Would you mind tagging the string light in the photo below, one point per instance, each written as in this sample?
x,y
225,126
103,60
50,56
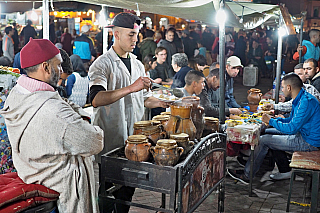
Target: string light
x,y
138,11
241,20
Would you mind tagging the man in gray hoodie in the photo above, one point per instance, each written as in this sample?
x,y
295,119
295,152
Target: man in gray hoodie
x,y
169,45
51,144
7,44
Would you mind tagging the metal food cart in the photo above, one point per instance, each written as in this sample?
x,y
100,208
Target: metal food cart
x,y
191,181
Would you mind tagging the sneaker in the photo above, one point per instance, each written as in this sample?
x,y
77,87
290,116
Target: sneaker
x,y
239,175
245,153
281,176
242,162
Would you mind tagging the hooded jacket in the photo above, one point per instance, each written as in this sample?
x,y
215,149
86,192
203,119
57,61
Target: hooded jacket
x,y
147,46
209,109
315,81
52,145
8,47
304,118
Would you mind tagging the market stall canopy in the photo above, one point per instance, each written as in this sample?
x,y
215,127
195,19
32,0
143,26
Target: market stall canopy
x,y
200,10
18,6
22,6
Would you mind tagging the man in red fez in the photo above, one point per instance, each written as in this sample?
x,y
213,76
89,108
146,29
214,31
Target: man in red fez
x,y
51,144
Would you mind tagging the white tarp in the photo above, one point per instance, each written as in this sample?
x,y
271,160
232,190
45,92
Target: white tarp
x,y
200,10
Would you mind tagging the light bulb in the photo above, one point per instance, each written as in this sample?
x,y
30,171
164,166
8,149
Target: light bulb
x,y
282,31
34,16
221,16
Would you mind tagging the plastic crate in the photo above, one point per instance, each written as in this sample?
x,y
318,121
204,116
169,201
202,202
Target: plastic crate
x,y
244,134
250,76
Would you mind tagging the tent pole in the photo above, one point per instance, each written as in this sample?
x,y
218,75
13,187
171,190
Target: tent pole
x,y
279,54
301,37
222,67
105,31
45,14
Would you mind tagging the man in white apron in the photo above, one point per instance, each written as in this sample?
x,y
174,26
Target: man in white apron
x,y
119,90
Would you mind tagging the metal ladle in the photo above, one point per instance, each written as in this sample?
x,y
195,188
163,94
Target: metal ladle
x,y
176,92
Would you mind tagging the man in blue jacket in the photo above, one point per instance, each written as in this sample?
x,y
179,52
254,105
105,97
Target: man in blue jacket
x,y
84,48
302,127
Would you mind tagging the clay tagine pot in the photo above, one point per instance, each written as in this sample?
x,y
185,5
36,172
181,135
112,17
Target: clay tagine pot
x,y
163,119
182,140
180,120
166,152
139,126
254,96
152,129
165,113
137,148
197,114
211,125
154,133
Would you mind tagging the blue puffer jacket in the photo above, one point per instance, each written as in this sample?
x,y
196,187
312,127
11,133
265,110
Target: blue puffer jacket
x,y
312,51
84,48
304,118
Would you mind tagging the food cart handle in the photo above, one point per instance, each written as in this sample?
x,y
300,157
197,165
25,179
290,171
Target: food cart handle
x,y
135,173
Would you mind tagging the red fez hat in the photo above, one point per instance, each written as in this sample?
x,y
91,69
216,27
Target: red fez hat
x,y
37,51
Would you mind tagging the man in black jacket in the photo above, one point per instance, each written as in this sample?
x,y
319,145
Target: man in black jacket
x,y
255,56
311,68
28,31
189,44
162,70
15,38
213,83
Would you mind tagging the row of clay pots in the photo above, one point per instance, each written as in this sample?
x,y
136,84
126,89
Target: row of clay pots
x,y
185,117
166,152
178,121
152,129
211,124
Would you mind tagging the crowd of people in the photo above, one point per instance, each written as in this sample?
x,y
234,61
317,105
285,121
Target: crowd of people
x,y
66,154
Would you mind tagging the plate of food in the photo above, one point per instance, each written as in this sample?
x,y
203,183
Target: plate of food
x,y
166,97
253,121
233,123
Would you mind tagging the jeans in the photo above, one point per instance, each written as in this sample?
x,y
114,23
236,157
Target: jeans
x,y
273,131
280,157
289,143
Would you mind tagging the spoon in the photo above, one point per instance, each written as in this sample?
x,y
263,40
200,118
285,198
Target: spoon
x,y
176,92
